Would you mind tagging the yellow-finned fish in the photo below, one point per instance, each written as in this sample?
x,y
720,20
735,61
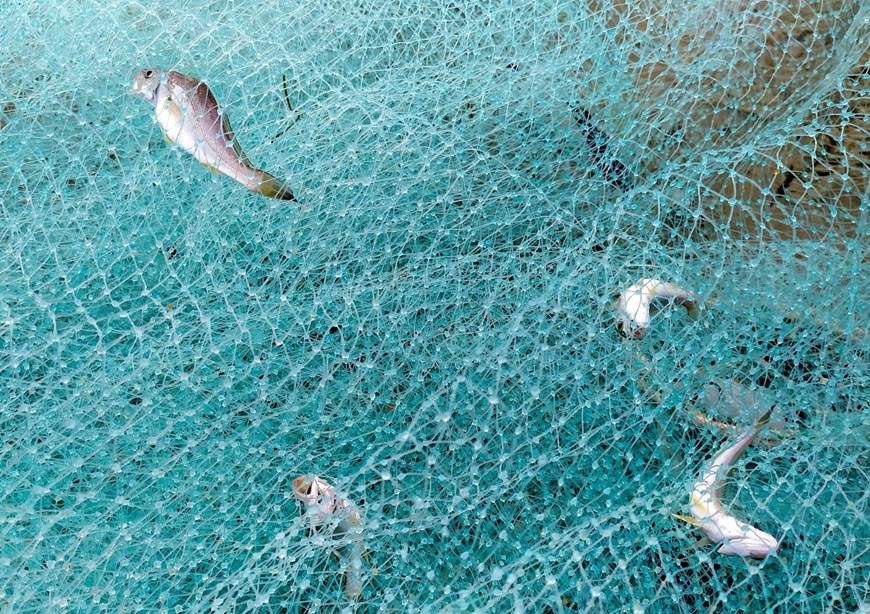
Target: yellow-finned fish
x,y
633,305
325,507
191,118
737,537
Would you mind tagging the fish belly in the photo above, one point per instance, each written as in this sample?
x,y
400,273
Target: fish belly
x,y
182,132
216,161
170,118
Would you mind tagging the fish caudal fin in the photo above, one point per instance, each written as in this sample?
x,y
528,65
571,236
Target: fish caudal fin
x,y
690,302
353,580
272,187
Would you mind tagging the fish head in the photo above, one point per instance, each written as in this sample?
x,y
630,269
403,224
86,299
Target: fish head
x,y
146,82
323,504
630,329
752,543
310,489
632,309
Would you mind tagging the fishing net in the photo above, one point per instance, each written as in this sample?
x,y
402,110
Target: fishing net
x,y
430,328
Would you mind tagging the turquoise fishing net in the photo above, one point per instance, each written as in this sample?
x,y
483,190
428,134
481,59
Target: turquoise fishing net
x,y
430,328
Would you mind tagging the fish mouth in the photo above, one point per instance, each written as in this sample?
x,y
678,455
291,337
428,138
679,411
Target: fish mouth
x,y
630,331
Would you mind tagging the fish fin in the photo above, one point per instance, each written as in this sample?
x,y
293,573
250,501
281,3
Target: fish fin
x,y
762,421
176,116
701,543
272,187
230,136
286,95
174,110
691,520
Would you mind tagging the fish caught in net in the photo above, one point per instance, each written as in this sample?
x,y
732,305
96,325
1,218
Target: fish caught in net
x,y
429,330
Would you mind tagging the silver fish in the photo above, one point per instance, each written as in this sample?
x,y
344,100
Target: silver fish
x,y
325,507
737,537
191,118
633,305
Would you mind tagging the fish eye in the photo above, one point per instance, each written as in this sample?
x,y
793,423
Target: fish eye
x,y
149,73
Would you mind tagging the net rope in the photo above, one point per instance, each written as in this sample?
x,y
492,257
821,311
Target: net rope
x,y
430,328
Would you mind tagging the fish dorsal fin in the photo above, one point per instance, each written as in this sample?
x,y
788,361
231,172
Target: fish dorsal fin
x,y
763,420
688,519
231,137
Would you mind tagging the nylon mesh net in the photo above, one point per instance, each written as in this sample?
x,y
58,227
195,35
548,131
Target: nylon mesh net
x,y
430,329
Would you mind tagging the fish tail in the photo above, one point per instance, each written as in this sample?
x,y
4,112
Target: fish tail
x,y
353,573
690,302
271,187
693,307
659,289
